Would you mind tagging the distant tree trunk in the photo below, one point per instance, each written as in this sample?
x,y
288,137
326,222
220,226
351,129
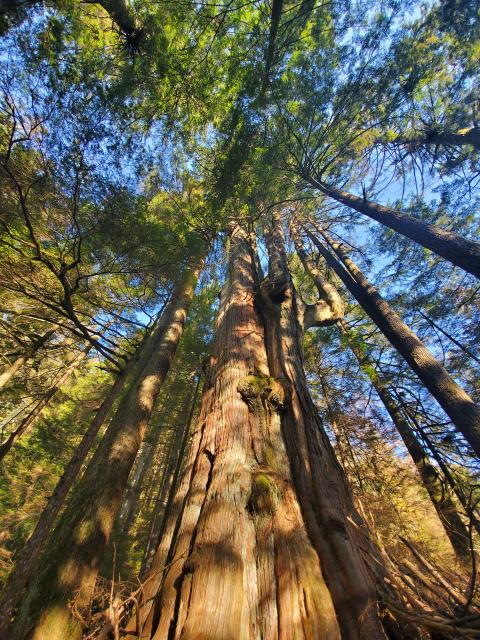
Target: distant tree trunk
x,y
456,403
462,137
69,565
470,507
457,250
25,561
437,489
168,484
29,419
10,371
256,541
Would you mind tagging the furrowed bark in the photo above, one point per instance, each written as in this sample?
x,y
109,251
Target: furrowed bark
x,y
437,490
84,528
456,403
457,250
235,560
335,528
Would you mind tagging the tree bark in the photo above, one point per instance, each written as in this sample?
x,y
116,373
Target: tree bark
x,y
168,485
457,250
456,403
334,526
246,551
70,563
25,562
436,488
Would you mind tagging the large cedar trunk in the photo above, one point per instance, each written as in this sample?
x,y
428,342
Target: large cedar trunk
x,y
256,542
71,561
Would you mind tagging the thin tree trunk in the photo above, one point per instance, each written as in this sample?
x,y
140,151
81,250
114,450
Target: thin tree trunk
x,y
433,324
456,403
246,551
447,244
461,137
436,488
71,560
340,436
25,562
168,484
10,371
457,490
29,419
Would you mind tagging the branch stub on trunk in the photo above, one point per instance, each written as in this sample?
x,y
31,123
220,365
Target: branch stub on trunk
x,y
258,390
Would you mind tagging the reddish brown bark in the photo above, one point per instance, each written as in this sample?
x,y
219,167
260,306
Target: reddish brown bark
x,y
256,542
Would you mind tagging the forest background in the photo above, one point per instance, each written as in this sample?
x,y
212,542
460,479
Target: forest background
x,y
137,141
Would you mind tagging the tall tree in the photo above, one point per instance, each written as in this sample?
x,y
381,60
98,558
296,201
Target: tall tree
x,y
253,458
456,403
85,531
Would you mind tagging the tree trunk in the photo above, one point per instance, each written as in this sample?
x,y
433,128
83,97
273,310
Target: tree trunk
x,y
456,403
437,490
168,483
25,562
70,563
457,250
122,15
460,138
10,371
334,526
467,503
242,551
29,419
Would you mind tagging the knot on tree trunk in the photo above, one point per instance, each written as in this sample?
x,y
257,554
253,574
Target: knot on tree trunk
x,y
264,391
263,498
275,288
322,314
